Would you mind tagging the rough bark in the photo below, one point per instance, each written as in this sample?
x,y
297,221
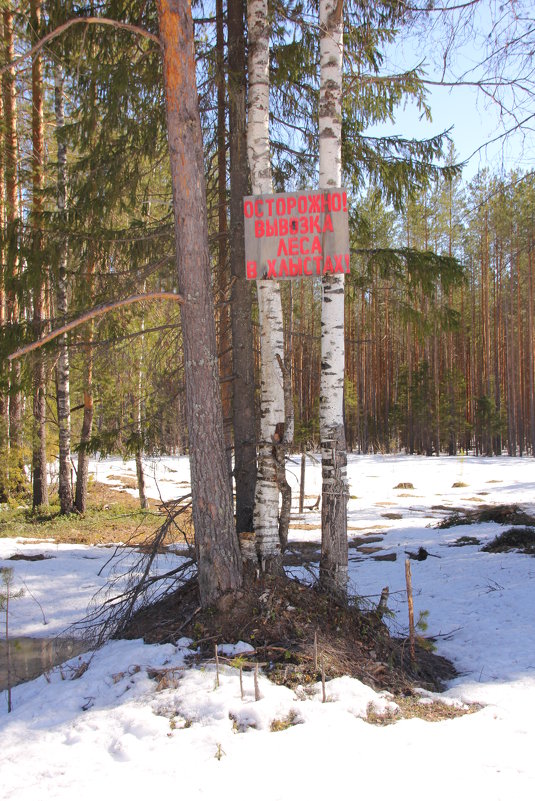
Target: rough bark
x,y
82,471
243,410
139,429
334,554
531,354
63,366
223,326
40,486
216,543
12,250
4,406
272,415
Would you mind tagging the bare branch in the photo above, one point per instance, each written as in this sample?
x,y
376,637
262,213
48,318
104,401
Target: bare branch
x,y
126,26
95,312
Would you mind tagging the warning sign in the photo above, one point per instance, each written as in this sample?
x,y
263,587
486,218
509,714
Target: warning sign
x,y
296,234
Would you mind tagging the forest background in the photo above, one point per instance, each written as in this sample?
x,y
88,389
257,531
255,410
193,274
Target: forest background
x,y
439,304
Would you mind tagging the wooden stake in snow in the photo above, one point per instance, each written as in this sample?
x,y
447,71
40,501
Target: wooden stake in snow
x,y
302,483
216,665
323,693
408,580
257,695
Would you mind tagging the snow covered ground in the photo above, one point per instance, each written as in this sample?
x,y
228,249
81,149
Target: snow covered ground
x,y
119,731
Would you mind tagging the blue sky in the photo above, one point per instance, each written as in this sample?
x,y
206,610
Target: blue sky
x,y
474,117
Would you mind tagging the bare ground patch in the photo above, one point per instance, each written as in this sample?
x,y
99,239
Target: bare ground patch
x,y
293,628
503,514
521,540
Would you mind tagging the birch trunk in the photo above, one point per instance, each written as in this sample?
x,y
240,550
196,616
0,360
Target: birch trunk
x,y
216,543
334,554
272,413
63,366
243,399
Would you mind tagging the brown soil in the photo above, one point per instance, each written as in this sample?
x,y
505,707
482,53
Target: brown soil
x,y
281,619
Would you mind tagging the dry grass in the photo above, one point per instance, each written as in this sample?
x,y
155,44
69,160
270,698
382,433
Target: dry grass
x,y
411,706
112,516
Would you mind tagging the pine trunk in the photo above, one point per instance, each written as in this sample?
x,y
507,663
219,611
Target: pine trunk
x,y
16,479
216,543
334,554
243,410
4,406
139,417
40,486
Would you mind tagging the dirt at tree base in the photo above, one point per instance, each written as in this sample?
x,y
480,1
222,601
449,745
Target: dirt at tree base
x,y
282,618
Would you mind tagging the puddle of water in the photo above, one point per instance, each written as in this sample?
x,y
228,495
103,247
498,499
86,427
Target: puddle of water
x,y
32,656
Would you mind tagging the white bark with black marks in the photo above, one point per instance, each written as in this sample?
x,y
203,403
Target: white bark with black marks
x,y
272,414
63,367
334,555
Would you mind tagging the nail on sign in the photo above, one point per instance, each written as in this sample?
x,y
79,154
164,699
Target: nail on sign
x,y
296,234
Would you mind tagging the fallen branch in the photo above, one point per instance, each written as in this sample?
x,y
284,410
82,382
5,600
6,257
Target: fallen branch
x,y
92,313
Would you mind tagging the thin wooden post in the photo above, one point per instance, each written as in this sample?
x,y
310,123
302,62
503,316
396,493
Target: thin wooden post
x,y
408,580
302,482
257,695
216,665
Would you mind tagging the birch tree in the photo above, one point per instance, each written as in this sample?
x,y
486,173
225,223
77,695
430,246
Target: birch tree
x,y
334,555
63,365
272,411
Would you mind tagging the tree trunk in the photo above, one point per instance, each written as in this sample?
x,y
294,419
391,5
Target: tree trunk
x,y
216,543
82,473
139,429
4,406
243,410
272,414
16,478
40,486
63,367
223,325
334,554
